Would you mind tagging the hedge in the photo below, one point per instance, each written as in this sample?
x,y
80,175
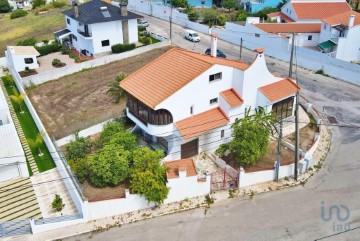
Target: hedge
x,y
18,13
119,48
49,48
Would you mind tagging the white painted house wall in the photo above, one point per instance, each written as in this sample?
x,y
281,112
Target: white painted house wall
x,y
19,61
348,48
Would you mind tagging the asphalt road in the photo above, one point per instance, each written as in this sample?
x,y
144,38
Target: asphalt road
x,y
292,214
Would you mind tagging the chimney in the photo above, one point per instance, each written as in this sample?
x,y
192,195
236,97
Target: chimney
x,y
351,20
182,171
123,9
76,8
213,45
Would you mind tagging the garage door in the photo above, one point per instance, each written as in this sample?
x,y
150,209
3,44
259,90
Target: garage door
x,y
190,149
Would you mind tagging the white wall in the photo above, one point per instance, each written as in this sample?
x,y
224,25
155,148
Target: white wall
x,y
111,31
133,31
348,48
19,61
302,39
3,62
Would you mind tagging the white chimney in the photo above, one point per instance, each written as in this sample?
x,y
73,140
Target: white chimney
x,y
213,45
351,20
182,171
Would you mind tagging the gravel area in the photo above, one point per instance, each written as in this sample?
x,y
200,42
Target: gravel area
x,y
45,62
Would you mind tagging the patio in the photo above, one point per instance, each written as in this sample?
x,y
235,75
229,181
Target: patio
x,y
45,62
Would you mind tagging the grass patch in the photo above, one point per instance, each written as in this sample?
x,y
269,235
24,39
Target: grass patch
x,y
30,130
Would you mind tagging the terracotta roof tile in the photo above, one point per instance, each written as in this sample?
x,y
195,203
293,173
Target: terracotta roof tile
x,y
200,123
232,97
289,27
183,164
169,73
319,10
279,90
343,18
282,16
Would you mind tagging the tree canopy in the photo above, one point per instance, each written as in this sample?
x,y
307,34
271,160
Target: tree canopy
x,y
4,6
178,3
229,4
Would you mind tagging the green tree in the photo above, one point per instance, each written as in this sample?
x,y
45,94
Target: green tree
x,y
221,19
80,167
241,15
78,148
110,129
148,176
18,99
124,139
115,91
38,3
37,142
4,6
282,3
264,12
57,204
8,80
178,3
109,166
229,4
209,16
250,139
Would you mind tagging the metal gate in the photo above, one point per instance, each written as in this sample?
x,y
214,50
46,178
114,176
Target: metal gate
x,y
16,227
224,179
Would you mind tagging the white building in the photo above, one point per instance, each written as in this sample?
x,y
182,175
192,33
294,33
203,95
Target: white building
x,y
12,156
23,56
185,102
340,36
93,27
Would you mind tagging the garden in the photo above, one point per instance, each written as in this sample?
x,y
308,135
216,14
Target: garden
x,y
112,162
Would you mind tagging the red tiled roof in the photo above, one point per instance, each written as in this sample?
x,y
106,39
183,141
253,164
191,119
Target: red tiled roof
x,y
200,123
289,27
232,97
183,164
319,10
169,73
343,18
281,15
279,90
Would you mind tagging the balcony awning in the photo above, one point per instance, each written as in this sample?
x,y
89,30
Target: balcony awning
x,y
326,45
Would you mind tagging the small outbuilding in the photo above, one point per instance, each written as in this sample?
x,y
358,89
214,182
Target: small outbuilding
x,y
23,56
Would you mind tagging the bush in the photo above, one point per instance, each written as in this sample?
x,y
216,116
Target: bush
x,y
146,40
58,4
80,167
241,15
65,50
27,42
141,28
57,63
49,48
221,20
4,6
209,16
45,41
193,15
119,48
18,13
110,130
38,3
263,13
78,148
8,80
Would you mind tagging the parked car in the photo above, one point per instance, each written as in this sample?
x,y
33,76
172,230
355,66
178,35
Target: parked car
x,y
191,35
143,23
219,53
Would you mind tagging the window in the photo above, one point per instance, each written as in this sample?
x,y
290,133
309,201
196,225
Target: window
x,y
105,43
222,133
310,37
324,26
290,12
213,101
68,21
257,35
74,37
202,2
191,110
283,109
29,60
215,76
287,10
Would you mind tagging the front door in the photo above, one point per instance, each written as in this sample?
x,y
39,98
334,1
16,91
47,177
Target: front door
x,y
190,149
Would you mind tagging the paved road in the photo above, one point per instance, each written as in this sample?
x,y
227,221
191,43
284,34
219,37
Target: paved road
x,y
292,214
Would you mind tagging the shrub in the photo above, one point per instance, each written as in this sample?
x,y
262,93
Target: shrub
x,y
241,15
193,15
56,62
78,148
124,139
27,42
4,6
45,41
65,50
58,4
8,80
264,12
18,13
209,16
80,167
49,48
146,40
221,20
141,28
110,130
57,203
119,48
38,3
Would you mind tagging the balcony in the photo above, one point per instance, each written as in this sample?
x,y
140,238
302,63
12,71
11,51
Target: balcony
x,y
84,34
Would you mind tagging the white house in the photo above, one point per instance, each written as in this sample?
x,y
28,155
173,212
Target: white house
x,y
23,56
340,36
185,102
93,27
184,181
12,156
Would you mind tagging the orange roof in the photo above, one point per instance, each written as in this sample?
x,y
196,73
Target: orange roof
x,y
200,123
289,27
281,15
343,18
173,168
319,10
231,97
169,73
279,90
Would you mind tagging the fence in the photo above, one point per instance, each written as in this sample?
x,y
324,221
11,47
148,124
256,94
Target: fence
x,y
16,227
67,70
275,46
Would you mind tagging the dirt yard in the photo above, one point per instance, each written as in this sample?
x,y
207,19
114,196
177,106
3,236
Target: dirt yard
x,y
306,137
96,194
78,101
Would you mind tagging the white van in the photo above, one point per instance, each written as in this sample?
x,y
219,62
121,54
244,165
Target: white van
x,y
191,35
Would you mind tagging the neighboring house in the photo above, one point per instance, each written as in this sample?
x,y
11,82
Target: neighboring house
x,y
23,57
12,156
184,181
93,27
185,102
253,6
340,36
307,33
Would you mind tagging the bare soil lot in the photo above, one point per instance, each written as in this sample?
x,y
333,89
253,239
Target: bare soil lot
x,y
94,194
306,137
78,101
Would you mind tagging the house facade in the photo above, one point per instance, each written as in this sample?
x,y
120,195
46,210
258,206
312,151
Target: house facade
x,y
23,57
254,6
184,102
93,27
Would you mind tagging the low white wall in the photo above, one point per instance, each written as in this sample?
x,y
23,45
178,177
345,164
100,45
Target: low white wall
x,y
67,70
38,228
3,62
251,178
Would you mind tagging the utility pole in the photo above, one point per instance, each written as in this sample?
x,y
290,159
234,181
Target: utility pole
x,y
241,41
170,18
279,151
296,111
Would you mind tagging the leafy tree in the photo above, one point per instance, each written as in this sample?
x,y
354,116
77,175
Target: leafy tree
x,y
80,167
8,80
229,4
282,3
111,129
178,3
264,12
250,139
4,6
193,15
148,176
18,99
78,148
221,20
124,139
57,204
37,142
209,16
115,91
38,3
27,42
109,166
241,15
